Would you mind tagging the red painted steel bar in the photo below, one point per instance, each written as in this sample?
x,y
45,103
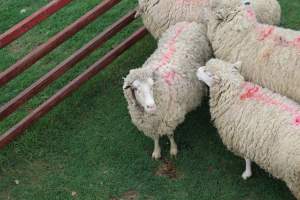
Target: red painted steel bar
x,y
55,41
28,23
60,69
44,108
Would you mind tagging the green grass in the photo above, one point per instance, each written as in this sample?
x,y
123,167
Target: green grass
x,y
88,145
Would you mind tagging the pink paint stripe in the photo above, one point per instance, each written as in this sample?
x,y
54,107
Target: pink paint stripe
x,y
254,92
269,32
167,56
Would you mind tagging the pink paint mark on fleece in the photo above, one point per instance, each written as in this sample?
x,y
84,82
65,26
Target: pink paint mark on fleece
x,y
250,13
169,77
268,32
253,92
265,32
171,48
166,57
297,121
249,93
296,42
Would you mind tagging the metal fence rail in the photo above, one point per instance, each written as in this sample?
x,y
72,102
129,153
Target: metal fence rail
x,y
28,23
60,69
55,41
63,67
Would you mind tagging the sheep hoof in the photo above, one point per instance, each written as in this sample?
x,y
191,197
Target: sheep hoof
x,y
173,152
246,175
156,155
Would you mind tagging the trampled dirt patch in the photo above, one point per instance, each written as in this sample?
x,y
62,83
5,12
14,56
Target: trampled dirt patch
x,y
129,195
167,169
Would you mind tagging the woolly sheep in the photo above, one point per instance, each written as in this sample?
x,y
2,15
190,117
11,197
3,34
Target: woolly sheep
x,y
255,123
270,55
169,76
158,15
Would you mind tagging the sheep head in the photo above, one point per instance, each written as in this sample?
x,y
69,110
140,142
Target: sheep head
x,y
140,83
224,11
217,70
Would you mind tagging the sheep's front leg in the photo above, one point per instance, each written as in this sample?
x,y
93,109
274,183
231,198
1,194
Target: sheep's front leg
x,y
248,172
173,146
156,152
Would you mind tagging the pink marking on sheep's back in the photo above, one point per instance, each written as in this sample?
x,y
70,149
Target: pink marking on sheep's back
x,y
171,49
265,32
254,92
297,120
169,77
250,13
249,93
296,42
269,32
166,57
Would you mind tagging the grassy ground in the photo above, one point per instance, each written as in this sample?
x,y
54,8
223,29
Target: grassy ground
x,y
86,148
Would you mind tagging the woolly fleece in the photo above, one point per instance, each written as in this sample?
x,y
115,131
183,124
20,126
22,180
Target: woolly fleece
x,y
270,55
256,123
180,52
158,15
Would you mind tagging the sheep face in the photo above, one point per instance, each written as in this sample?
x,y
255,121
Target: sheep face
x,y
214,70
143,92
243,15
207,77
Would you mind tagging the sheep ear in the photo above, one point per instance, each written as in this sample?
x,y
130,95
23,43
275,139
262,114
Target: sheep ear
x,y
150,81
237,65
126,86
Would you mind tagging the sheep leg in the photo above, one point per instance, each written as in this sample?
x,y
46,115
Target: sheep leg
x,y
173,146
156,152
248,171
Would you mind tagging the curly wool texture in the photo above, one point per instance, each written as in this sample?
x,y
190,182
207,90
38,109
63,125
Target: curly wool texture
x,y
158,15
175,96
270,55
260,127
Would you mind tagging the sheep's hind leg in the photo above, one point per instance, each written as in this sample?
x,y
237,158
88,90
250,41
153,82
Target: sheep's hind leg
x,y
156,152
173,146
248,171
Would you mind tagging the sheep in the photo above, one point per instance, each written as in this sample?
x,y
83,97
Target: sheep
x,y
158,15
271,55
166,88
254,122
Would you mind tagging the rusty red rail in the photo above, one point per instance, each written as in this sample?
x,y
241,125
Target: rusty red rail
x,y
44,108
55,41
59,70
28,23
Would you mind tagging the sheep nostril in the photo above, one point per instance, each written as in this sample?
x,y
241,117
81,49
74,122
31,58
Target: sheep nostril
x,y
150,106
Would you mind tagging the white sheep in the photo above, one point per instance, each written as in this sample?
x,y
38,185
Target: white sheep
x,y
166,88
270,55
255,123
158,15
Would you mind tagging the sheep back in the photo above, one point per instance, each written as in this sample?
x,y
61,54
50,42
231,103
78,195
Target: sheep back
x,y
258,124
158,15
270,55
